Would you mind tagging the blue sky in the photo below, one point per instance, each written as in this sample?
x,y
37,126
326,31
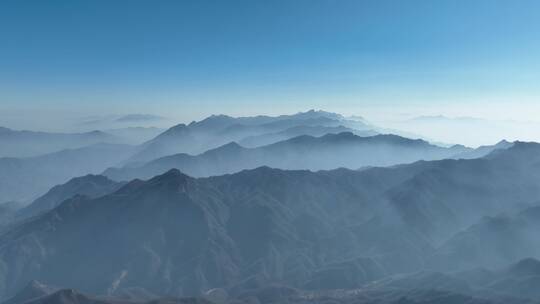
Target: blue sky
x,y
187,59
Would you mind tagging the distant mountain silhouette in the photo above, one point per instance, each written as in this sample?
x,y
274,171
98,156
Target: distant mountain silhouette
x,y
315,131
303,152
484,150
139,118
26,178
218,130
135,135
15,143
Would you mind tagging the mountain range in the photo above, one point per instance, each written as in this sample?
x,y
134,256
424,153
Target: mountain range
x,y
303,152
217,130
24,178
14,143
23,144
311,207
315,131
326,230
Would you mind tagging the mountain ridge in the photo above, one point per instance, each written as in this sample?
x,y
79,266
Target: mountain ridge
x,y
216,130
302,152
255,222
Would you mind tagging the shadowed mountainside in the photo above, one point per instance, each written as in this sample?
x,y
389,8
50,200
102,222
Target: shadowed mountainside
x,y
311,230
89,185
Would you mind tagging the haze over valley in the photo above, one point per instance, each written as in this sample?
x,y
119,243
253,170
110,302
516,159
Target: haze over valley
x,y
314,206
269,152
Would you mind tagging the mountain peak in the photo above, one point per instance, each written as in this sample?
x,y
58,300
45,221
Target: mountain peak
x,y
503,144
341,135
225,150
312,113
213,121
229,147
179,128
5,130
525,267
518,147
173,173
96,133
172,176
170,180
90,177
232,144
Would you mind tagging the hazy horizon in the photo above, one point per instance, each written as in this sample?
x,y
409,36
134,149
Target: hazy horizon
x,y
264,152
437,127
388,61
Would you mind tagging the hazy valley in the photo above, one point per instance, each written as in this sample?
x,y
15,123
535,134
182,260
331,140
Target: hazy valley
x,y
312,207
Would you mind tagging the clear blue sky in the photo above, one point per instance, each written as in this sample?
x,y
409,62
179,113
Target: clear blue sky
x,y
191,58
